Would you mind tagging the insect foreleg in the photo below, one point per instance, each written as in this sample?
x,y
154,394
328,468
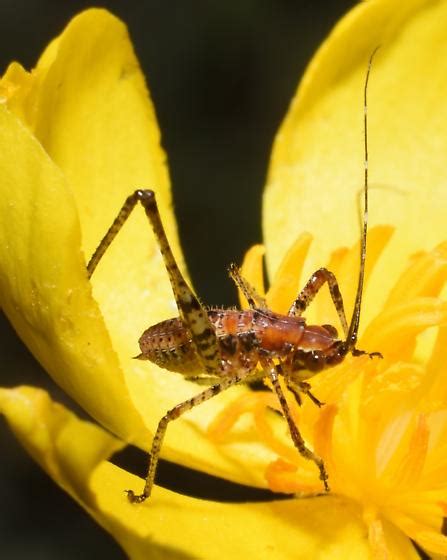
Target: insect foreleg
x,y
273,372
173,414
310,290
302,387
251,295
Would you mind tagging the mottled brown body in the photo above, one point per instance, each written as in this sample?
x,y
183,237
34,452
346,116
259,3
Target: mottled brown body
x,y
244,338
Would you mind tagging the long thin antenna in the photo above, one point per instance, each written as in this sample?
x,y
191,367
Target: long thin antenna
x,y
355,320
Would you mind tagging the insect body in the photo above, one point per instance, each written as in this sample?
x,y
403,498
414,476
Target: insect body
x,y
244,338
222,347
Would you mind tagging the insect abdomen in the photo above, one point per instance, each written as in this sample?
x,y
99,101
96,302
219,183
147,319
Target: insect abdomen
x,y
168,344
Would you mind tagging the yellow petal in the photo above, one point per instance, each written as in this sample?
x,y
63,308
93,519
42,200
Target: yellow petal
x,y
104,136
74,452
425,276
253,270
65,447
394,331
387,542
15,88
83,136
435,382
286,283
43,285
316,172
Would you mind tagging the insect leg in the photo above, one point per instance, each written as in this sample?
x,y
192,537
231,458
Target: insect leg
x,y
311,289
173,414
302,387
113,230
190,309
251,295
274,371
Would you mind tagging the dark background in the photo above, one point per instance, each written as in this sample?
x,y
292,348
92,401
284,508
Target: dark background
x,y
221,76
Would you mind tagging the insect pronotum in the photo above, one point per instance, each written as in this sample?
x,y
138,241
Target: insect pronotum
x,y
223,347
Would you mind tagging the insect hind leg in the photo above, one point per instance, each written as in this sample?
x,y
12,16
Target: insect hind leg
x,y
118,222
190,309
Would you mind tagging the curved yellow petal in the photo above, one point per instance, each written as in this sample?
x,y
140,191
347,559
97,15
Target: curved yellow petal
x,y
289,529
316,173
74,453
425,276
252,269
388,542
285,285
103,134
43,284
64,446
81,135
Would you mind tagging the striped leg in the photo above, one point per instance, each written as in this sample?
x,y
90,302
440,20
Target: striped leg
x,y
273,372
191,311
173,414
311,289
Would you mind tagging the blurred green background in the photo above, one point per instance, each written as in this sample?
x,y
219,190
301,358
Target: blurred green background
x,y
221,75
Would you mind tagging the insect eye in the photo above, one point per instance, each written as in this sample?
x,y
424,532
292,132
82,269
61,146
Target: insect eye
x,y
331,330
315,360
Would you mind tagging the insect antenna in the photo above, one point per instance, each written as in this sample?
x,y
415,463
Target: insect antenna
x,y
351,339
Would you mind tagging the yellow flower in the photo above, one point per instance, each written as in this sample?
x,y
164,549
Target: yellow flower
x,y
383,427
77,134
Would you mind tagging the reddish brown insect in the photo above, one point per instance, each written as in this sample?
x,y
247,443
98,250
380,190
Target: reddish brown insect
x,y
222,347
